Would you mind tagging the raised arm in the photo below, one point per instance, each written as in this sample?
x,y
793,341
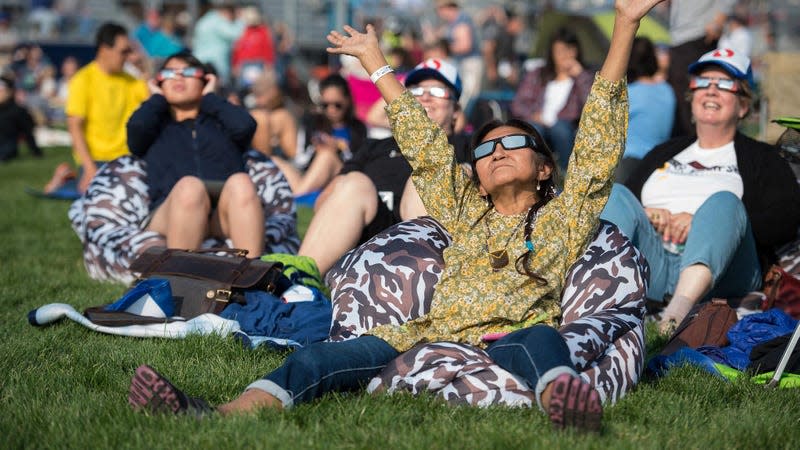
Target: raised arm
x,y
626,22
364,46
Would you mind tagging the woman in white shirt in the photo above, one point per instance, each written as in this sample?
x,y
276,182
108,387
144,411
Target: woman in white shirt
x,y
706,211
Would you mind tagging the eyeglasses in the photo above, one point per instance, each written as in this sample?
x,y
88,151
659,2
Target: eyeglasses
x,y
510,142
186,72
335,105
434,91
723,84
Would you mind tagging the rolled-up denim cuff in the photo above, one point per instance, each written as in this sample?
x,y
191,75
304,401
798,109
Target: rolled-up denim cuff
x,y
274,390
548,377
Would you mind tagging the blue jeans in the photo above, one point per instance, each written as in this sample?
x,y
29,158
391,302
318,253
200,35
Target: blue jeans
x,y
561,138
720,238
323,367
537,354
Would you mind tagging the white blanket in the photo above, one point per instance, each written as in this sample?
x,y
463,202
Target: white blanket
x,y
203,324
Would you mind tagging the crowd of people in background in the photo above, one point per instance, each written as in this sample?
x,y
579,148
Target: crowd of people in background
x,y
192,110
312,130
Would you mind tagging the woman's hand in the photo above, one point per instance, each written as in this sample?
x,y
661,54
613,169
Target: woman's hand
x,y
575,69
634,10
363,46
678,229
154,88
357,44
211,84
324,142
660,218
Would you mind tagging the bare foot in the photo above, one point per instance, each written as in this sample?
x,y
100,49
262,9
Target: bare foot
x,y
250,401
62,173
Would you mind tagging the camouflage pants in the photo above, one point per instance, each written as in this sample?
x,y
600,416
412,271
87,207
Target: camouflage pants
x,y
108,218
390,280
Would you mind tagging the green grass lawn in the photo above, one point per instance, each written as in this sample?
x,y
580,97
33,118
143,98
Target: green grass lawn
x,y
64,386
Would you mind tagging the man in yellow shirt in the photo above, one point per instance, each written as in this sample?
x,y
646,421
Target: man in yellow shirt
x,y
101,98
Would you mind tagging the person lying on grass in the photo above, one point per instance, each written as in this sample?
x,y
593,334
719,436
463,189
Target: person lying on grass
x,y
513,242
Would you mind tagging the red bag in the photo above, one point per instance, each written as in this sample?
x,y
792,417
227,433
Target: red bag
x,y
782,290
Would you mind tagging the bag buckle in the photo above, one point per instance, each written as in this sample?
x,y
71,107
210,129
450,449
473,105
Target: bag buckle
x,y
223,295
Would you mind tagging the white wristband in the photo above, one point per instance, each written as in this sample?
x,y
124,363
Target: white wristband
x,y
380,72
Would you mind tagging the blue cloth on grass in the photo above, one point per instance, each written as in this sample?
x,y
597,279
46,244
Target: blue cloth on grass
x,y
661,364
286,324
753,330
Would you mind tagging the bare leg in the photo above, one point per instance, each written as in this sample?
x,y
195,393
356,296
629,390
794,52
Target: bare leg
x,y
183,217
326,193
250,401
324,166
292,174
240,215
693,283
338,223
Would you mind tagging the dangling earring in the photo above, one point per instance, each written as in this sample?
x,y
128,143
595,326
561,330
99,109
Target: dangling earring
x,y
538,186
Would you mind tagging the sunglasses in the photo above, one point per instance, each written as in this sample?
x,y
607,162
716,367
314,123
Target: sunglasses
x,y
723,84
510,142
336,105
433,91
186,72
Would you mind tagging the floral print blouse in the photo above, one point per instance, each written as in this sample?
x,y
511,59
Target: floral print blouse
x,y
471,298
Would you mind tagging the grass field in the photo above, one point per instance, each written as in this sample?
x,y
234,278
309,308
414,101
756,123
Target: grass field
x,y
64,386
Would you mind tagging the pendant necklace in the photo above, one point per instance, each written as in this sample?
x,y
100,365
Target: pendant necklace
x,y
499,258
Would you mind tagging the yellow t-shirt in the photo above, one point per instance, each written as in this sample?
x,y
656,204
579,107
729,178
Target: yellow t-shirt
x,y
105,102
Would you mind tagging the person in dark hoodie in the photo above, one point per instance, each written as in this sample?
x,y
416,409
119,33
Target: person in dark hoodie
x,y
193,143
15,122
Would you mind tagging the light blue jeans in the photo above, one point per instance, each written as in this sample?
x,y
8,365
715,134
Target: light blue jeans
x,y
720,238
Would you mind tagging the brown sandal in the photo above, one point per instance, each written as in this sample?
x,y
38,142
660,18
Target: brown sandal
x,y
152,392
575,403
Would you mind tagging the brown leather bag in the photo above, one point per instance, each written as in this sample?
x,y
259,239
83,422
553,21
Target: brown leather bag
x,y
203,282
706,324
782,290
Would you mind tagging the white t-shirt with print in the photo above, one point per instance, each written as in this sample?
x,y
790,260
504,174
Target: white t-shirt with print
x,y
691,177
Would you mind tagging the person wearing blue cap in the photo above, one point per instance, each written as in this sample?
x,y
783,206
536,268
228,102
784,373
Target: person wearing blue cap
x,y
371,192
513,242
708,210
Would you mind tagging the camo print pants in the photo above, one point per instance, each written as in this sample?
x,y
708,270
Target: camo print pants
x,y
390,280
108,218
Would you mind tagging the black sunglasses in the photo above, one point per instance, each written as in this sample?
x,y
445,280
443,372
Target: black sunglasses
x,y
510,142
336,105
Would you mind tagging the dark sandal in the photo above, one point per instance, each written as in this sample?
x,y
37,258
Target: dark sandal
x,y
152,392
575,403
